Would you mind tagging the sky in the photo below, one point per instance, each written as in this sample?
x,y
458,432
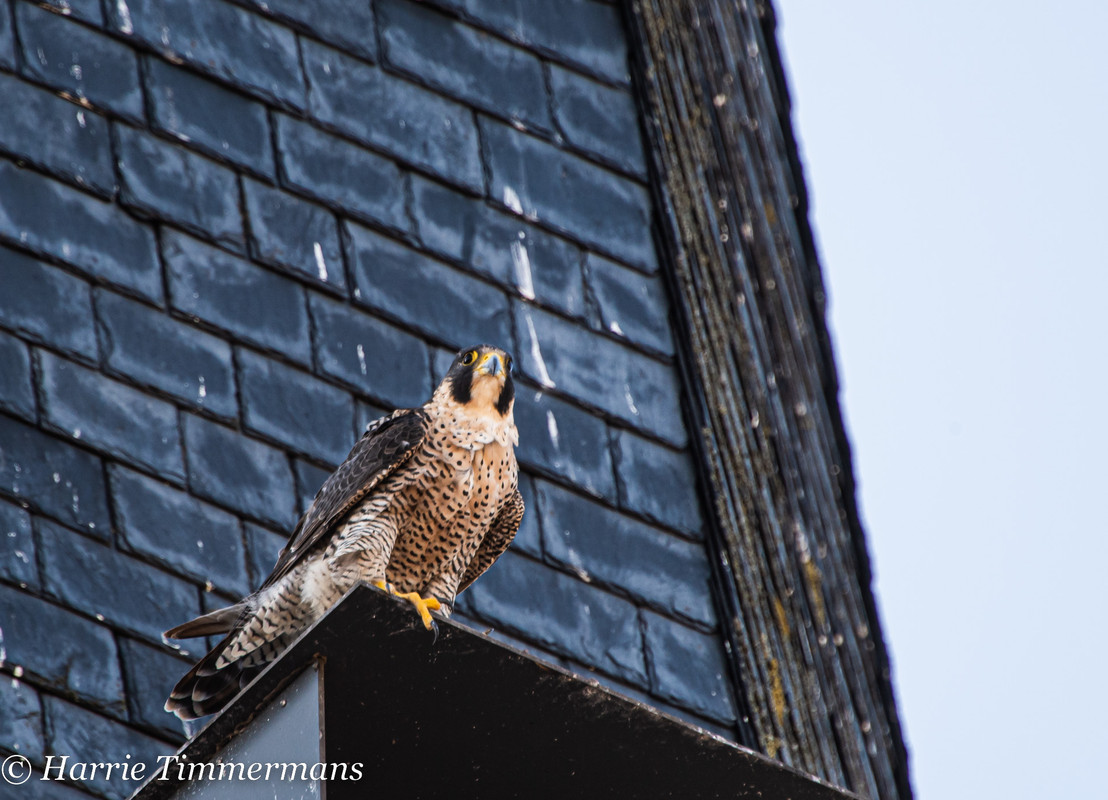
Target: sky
x,y
956,155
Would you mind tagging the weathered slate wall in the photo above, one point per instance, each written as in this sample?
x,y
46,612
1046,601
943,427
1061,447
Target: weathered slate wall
x,y
233,232
811,662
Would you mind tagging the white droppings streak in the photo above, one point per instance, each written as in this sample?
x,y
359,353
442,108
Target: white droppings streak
x,y
578,566
202,392
76,433
57,478
522,262
361,360
3,650
614,328
536,353
630,400
552,427
126,25
317,248
511,200
17,672
81,119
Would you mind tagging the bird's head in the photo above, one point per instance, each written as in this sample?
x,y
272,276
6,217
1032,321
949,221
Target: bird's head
x,y
480,380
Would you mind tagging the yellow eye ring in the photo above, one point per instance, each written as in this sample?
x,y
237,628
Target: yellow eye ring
x,y
469,358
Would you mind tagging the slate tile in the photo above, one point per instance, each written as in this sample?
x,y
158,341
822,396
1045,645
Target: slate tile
x,y
264,546
464,62
249,302
408,121
173,184
7,40
346,23
17,395
293,234
50,789
173,528
242,473
582,31
309,480
88,10
440,364
129,593
379,359
49,305
79,656
17,547
598,118
295,408
427,294
201,112
688,668
154,349
562,439
76,59
630,304
669,573
151,675
644,696
98,237
658,482
570,617
534,178
87,737
456,226
55,134
599,371
111,416
20,719
231,43
368,413
54,476
499,245
337,171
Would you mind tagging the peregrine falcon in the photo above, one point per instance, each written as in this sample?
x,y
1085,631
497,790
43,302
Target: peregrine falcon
x,y
426,501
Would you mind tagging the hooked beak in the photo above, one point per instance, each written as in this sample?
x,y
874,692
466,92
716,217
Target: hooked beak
x,y
491,364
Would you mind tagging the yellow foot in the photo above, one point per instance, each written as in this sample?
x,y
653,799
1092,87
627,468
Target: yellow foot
x,y
424,605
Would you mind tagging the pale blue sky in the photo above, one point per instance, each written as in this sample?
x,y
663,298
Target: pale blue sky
x,y
957,158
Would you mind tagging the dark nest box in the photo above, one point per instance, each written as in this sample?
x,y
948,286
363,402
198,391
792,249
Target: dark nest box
x,y
233,232
366,697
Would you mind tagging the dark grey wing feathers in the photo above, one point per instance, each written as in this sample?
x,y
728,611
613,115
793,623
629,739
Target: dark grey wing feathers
x,y
387,443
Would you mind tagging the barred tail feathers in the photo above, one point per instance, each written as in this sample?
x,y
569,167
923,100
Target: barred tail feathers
x,y
257,632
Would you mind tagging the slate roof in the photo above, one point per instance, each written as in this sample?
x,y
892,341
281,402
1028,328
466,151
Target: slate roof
x,y
233,233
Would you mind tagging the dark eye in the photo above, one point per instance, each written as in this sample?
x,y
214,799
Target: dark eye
x,y
508,363
469,357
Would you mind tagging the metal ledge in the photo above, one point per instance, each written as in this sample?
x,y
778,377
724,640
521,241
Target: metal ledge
x,y
464,717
